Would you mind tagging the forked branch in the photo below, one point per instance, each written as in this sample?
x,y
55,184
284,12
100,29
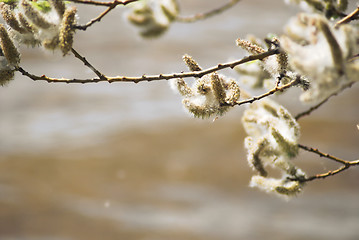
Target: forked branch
x,y
345,165
270,92
110,5
89,65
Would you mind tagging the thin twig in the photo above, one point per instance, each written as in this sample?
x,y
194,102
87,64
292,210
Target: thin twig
x,y
110,5
315,107
327,174
352,59
196,74
271,92
94,20
352,16
105,4
201,16
321,154
346,165
89,65
52,80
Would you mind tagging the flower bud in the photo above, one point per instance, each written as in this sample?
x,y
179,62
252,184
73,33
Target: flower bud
x,y
51,44
35,16
8,48
6,75
59,6
191,63
66,31
232,92
170,9
10,18
250,47
218,88
26,25
335,49
181,86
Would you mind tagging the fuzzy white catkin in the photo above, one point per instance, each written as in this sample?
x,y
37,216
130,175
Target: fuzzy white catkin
x,y
262,115
153,17
44,28
272,141
310,50
280,187
266,116
208,95
6,72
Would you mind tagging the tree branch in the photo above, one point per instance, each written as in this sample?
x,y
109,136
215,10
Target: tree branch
x,y
352,16
83,59
196,74
202,16
110,5
317,106
346,165
105,4
94,20
271,92
321,154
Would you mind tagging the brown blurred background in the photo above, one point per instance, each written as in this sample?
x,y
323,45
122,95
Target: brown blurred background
x,y
123,161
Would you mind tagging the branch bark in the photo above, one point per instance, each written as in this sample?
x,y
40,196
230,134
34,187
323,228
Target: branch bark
x,y
196,74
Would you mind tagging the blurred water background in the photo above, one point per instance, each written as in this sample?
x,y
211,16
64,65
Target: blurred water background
x,y
123,160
